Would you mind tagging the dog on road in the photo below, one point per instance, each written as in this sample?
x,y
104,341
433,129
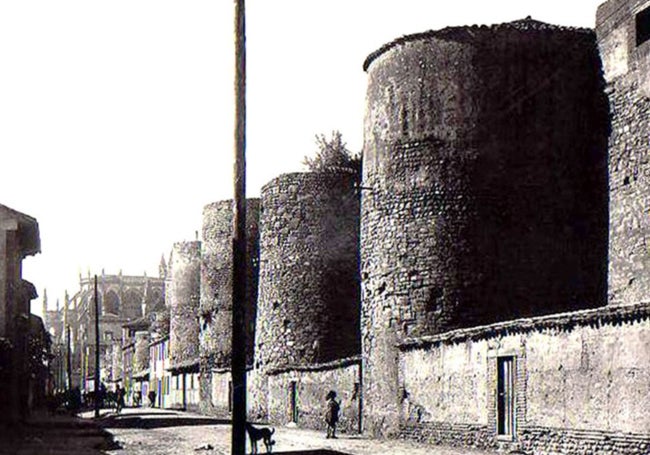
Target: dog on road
x,y
260,434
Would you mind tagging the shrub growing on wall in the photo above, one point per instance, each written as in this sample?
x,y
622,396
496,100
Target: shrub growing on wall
x,y
333,155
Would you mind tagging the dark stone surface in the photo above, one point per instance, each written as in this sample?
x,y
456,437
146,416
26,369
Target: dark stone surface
x,y
216,288
484,189
308,308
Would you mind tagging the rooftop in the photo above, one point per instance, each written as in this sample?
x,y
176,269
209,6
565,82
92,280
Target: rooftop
x,y
470,33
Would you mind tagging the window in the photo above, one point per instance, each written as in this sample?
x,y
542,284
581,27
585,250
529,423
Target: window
x,y
643,26
111,303
505,396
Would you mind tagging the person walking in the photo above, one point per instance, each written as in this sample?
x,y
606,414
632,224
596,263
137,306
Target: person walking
x,y
152,398
119,398
332,413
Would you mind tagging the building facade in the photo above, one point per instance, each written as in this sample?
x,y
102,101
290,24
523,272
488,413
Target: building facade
x,y
19,238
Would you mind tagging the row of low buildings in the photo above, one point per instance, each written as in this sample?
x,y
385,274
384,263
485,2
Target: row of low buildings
x,y
484,284
24,343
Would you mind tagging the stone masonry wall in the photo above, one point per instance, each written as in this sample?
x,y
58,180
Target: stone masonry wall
x,y
216,280
216,289
627,68
141,355
221,395
581,382
484,187
308,307
311,387
184,290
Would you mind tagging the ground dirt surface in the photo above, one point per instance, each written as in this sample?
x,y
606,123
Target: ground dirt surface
x,y
147,431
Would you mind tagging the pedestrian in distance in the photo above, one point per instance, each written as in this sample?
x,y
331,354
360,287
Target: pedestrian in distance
x,y
332,413
119,398
152,398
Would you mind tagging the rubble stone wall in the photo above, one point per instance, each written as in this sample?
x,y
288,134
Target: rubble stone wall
x,y
215,313
220,394
484,187
184,290
308,307
141,356
627,69
311,386
216,280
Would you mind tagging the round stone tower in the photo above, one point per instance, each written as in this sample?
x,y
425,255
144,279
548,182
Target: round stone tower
x,y
308,306
216,281
484,195
185,290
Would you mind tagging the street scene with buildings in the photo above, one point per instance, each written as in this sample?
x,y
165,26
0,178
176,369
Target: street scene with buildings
x,y
476,280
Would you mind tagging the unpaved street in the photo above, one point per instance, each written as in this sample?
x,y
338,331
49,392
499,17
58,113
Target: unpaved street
x,y
163,432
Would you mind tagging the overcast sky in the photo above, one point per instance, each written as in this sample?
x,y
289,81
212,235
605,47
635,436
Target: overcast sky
x,y
116,117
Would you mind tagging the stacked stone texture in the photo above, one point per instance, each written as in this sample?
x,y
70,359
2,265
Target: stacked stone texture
x,y
141,357
185,291
484,190
216,282
627,69
308,308
116,361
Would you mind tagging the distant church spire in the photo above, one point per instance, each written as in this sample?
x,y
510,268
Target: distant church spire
x,y
65,309
162,268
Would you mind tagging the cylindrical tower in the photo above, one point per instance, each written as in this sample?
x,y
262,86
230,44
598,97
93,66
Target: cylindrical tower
x,y
216,287
184,290
141,355
308,307
484,187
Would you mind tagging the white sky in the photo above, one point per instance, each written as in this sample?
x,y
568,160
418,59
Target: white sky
x,y
116,117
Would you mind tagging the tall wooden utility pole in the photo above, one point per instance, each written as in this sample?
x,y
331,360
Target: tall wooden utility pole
x,y
97,381
238,356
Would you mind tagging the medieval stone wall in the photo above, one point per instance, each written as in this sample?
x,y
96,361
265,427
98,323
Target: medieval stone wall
x,y
216,281
580,383
221,393
484,187
311,385
184,291
308,309
216,292
141,355
627,69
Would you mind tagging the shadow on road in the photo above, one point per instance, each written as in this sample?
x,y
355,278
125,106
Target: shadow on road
x,y
312,452
136,421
